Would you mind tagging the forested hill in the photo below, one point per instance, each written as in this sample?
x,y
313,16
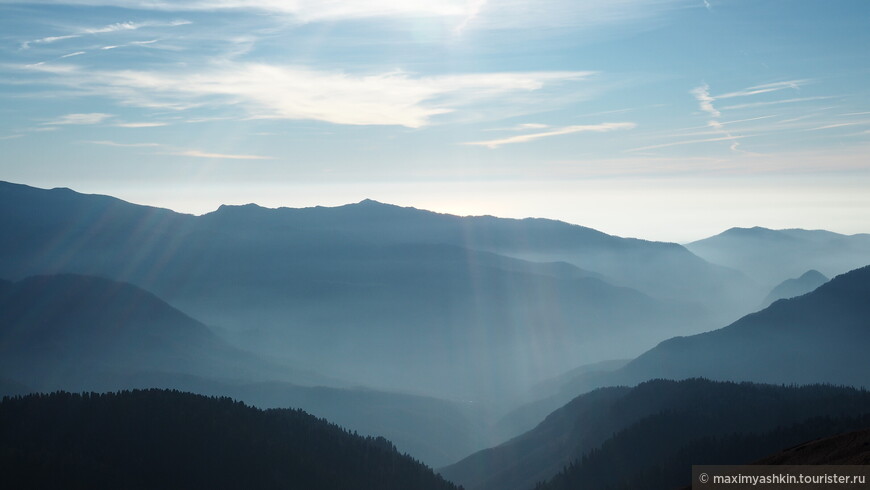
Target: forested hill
x,y
653,433
158,439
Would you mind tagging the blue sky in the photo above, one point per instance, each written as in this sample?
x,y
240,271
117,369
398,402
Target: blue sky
x,y
661,119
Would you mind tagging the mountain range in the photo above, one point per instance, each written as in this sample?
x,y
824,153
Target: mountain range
x,y
820,337
772,256
446,334
83,333
651,434
354,291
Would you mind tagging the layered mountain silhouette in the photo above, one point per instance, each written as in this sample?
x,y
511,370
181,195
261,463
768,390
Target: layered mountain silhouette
x,y
647,456
772,256
79,332
650,435
820,337
384,296
435,431
790,288
173,440
85,333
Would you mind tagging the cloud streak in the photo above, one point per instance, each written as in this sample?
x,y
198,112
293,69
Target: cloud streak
x,y
486,14
141,125
265,91
687,142
79,119
220,156
525,138
764,89
184,152
119,26
777,102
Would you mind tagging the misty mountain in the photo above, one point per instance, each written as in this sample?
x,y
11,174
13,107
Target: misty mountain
x,y
790,288
611,432
164,439
433,430
551,394
69,331
820,337
664,270
85,333
772,256
389,297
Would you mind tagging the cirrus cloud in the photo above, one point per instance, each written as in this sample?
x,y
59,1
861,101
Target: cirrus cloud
x,y
265,91
525,138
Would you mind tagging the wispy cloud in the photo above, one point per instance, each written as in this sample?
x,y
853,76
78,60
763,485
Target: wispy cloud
x,y
293,92
77,53
705,101
462,14
119,26
125,145
141,125
47,40
764,88
222,156
777,102
79,119
702,95
185,152
525,138
839,125
686,142
132,26
521,127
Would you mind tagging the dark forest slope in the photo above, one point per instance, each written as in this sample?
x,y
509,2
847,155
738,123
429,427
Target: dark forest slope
x,y
170,440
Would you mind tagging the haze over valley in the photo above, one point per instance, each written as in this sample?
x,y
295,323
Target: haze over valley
x,y
453,244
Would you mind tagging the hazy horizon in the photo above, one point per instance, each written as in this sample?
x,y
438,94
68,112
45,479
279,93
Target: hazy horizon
x,y
626,225
660,119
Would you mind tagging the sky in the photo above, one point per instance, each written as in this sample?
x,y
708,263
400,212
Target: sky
x,y
660,119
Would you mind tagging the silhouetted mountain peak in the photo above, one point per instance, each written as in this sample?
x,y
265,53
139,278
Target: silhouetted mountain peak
x,y
756,232
791,288
812,274
372,202
229,208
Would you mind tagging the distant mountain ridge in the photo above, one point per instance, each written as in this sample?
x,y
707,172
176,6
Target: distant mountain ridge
x,y
353,291
820,337
772,256
83,333
630,262
68,331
